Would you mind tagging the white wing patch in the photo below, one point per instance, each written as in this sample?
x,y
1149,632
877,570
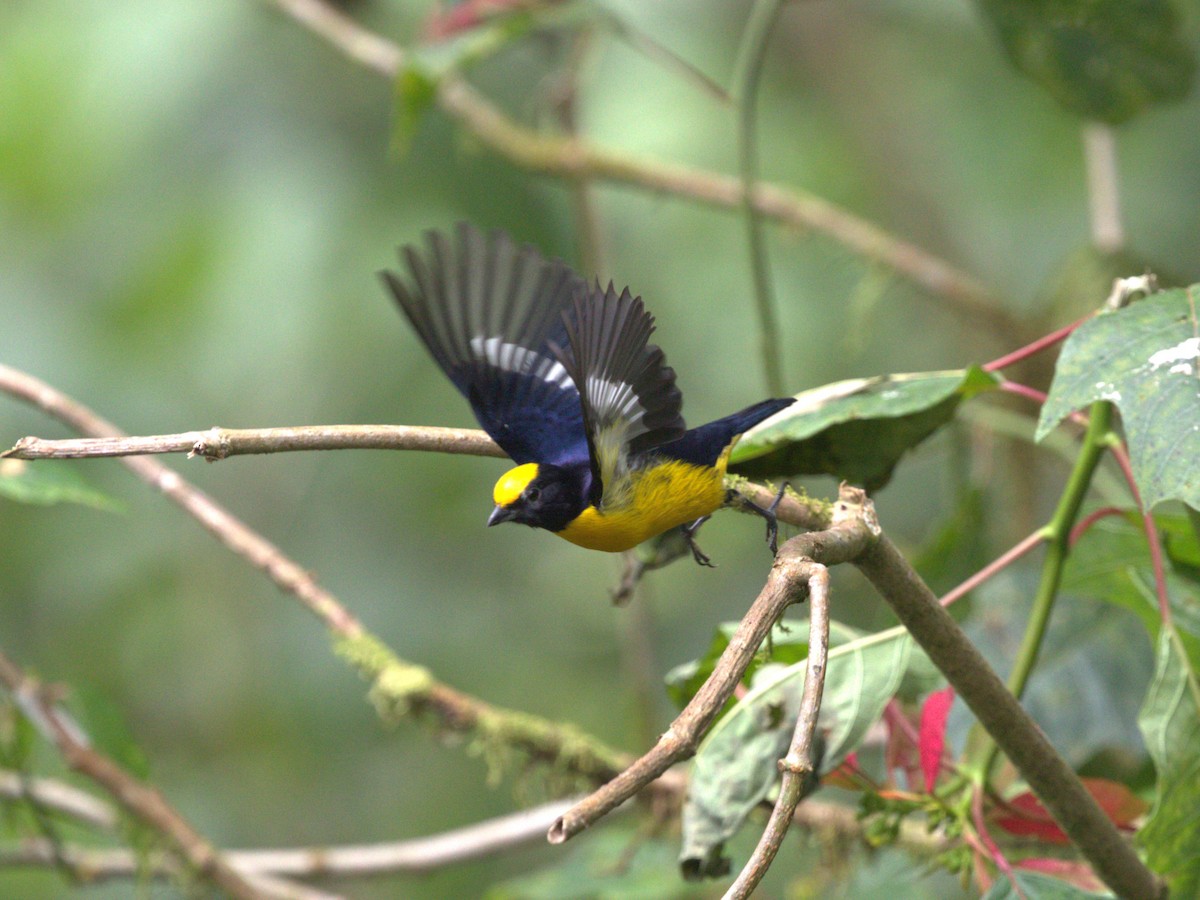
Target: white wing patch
x,y
614,400
511,357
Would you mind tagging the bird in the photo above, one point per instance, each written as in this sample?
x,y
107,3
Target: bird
x,y
560,373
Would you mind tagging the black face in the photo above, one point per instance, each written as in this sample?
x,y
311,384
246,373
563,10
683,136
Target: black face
x,y
550,501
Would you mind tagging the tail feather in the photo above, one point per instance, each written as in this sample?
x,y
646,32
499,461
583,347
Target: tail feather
x,y
703,446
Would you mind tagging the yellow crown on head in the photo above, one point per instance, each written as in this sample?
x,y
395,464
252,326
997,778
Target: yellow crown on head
x,y
513,483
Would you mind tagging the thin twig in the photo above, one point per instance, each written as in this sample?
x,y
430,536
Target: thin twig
x,y
142,801
1153,541
570,157
798,767
845,539
58,797
751,56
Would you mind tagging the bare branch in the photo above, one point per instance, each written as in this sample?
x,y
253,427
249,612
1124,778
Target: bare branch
x,y
220,443
572,158
59,797
798,767
788,582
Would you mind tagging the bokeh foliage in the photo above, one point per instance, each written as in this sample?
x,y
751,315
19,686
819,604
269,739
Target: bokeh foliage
x,y
193,201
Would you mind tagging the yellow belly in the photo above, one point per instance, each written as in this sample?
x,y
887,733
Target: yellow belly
x,y
662,496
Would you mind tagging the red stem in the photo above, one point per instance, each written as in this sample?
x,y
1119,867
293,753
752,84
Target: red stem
x,y
993,849
1037,346
1091,519
1021,390
1121,455
996,565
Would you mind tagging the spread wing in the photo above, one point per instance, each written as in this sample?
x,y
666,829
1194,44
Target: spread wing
x,y
630,401
489,312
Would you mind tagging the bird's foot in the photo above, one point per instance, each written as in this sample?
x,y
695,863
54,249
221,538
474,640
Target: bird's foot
x,y
768,514
689,534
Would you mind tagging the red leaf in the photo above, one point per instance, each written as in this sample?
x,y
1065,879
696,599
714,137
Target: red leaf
x,y
1027,817
1076,873
845,776
933,733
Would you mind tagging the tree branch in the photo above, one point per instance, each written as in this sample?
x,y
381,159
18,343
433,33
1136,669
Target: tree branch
x,y
798,767
796,563
398,688
572,158
1048,774
145,803
220,443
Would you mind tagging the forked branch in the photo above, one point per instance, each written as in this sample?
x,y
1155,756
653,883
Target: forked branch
x,y
800,560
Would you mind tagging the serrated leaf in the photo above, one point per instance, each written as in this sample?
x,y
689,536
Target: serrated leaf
x,y
1034,886
736,765
1144,358
1104,60
857,429
47,484
1170,723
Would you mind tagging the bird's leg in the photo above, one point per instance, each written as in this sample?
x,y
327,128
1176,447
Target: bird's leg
x,y
768,514
689,534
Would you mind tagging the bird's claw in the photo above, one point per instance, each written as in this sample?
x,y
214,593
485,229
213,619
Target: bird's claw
x,y
768,514
689,534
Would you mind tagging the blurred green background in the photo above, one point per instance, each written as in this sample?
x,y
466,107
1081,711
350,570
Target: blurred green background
x,y
194,200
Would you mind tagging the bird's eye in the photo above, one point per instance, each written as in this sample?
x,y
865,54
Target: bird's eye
x,y
532,495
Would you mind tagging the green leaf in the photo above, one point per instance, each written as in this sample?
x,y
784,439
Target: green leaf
x,y
1111,562
49,483
415,90
788,642
1101,59
1170,723
1035,886
857,429
736,765
1143,358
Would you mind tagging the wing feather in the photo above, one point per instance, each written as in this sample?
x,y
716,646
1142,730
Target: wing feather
x,y
489,312
628,393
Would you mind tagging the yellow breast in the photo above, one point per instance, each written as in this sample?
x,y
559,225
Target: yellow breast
x,y
660,497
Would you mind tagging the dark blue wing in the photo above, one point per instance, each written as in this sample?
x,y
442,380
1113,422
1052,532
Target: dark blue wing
x,y
489,312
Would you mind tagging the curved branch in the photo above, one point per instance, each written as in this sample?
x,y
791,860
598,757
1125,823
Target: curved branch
x,y
570,157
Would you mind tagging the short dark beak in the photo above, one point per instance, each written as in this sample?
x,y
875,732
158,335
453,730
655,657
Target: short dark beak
x,y
500,514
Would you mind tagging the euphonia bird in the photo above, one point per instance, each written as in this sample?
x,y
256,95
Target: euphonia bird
x,y
561,374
